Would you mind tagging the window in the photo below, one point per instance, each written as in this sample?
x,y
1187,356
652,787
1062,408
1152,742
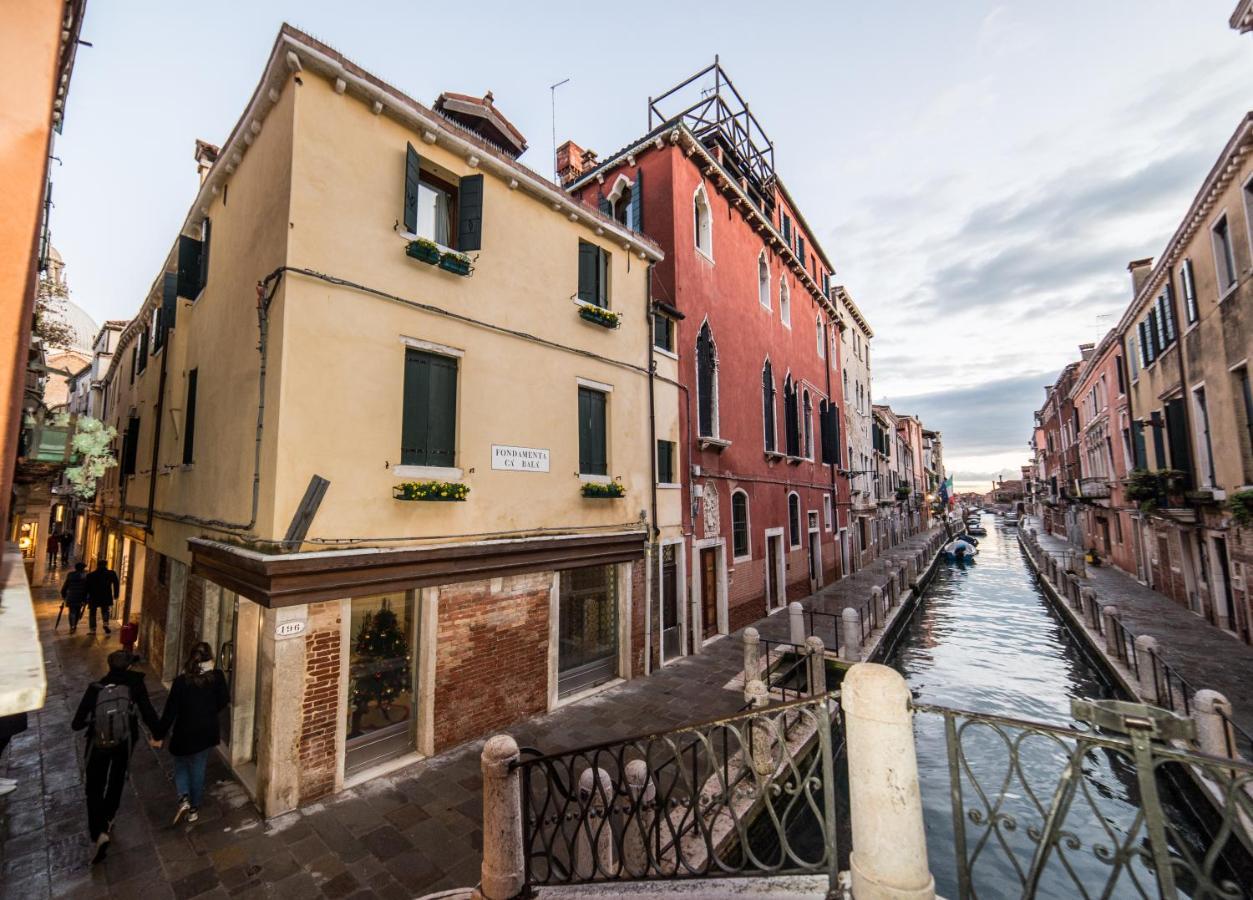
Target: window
x,y
706,383
1122,379
739,526
791,421
1205,448
663,332
763,280
428,433
593,456
1189,290
800,248
830,421
1248,211
625,202
1224,262
1134,358
665,462
593,275
701,220
143,349
189,419
785,302
767,406
130,446
1244,401
822,337
786,228
794,519
826,510
445,210
808,418
193,263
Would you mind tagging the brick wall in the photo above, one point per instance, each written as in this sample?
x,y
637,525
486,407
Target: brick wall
x,y
320,710
153,612
797,573
491,665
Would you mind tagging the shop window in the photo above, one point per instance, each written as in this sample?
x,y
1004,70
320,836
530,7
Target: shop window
x,y
587,651
381,665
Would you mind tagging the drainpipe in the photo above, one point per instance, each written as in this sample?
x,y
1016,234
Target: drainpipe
x,y
835,491
156,434
652,470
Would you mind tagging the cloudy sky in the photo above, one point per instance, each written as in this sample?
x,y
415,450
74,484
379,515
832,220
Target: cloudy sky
x,y
979,172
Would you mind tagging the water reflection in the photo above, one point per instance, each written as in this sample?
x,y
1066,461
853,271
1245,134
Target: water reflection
x,y
986,639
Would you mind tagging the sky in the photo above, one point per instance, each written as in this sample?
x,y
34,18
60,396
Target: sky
x,y
980,173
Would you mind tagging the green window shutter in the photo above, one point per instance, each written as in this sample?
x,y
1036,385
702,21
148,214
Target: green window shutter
x,y
428,433
143,349
169,303
203,278
635,219
1180,443
470,213
130,446
189,419
800,248
1141,455
665,462
592,441
189,251
589,266
413,164
604,206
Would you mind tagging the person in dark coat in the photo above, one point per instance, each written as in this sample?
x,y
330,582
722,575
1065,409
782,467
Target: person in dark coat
x,y
67,544
190,718
74,593
103,588
53,546
106,767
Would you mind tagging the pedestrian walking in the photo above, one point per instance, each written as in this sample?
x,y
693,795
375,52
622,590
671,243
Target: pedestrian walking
x,y
10,726
190,719
67,544
103,587
110,711
53,548
74,593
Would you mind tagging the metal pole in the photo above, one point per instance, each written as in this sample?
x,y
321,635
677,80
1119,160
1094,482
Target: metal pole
x,y
552,90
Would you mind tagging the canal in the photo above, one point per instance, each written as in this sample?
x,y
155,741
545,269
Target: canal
x,y
985,638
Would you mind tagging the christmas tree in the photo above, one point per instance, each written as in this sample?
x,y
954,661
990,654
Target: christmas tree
x,y
381,669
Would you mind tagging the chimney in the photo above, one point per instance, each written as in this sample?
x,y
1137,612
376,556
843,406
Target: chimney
x,y
206,156
1085,351
573,161
1140,270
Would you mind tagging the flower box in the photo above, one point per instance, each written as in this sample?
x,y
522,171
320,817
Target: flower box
x,y
599,316
424,251
594,490
457,263
437,491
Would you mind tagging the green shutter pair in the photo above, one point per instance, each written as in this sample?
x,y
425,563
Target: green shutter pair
x,y
469,203
592,443
429,424
593,274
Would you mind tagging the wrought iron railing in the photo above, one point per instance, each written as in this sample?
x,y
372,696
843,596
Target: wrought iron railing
x,y
722,798
1172,690
1029,818
1239,742
786,669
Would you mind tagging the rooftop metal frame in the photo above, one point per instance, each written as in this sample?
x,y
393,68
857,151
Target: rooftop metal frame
x,y
720,115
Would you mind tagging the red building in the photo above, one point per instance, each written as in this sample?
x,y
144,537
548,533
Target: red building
x,y
743,299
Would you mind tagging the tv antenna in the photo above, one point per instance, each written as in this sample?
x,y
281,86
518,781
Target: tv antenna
x,y
552,89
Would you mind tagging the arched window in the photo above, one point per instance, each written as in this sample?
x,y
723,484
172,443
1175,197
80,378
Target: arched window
x,y
763,280
702,222
623,202
767,406
740,548
807,418
821,329
785,301
706,383
794,519
791,422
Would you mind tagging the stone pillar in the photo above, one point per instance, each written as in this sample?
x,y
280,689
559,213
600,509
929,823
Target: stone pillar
x,y
762,739
817,666
1146,650
502,871
1080,564
1213,734
1112,637
593,851
893,596
638,826
851,618
889,857
1091,611
752,656
877,598
796,623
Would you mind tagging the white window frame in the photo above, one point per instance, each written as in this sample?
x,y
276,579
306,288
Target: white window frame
x,y
748,526
821,328
1203,454
785,301
680,580
763,284
827,511
700,199
774,410
620,185
1220,264
799,521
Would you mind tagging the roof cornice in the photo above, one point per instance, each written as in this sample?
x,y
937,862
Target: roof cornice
x,y
1220,175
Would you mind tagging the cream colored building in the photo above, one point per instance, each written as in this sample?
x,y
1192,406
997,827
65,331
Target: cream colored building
x,y
858,541
306,359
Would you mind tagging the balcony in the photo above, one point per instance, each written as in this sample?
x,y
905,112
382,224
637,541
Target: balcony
x,y
1094,488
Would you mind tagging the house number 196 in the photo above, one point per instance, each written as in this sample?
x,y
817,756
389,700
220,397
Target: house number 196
x,y
289,629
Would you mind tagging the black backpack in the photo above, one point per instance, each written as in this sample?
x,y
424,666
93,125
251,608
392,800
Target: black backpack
x,y
111,721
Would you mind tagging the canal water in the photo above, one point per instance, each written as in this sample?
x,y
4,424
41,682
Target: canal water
x,y
985,638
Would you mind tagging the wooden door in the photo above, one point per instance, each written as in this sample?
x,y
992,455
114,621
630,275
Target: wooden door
x,y
709,591
773,594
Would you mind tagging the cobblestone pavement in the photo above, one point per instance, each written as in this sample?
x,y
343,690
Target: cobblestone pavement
x,y
1205,655
402,835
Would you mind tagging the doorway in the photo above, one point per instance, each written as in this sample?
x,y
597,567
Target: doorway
x,y
776,596
1224,575
709,591
382,699
815,553
587,640
671,605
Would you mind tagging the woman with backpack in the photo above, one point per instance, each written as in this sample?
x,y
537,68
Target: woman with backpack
x,y
190,718
110,711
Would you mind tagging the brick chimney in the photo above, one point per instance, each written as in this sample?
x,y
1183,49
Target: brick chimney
x,y
1085,351
1140,270
206,156
573,161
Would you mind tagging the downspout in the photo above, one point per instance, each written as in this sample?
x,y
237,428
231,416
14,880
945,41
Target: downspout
x,y
835,491
156,435
654,550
